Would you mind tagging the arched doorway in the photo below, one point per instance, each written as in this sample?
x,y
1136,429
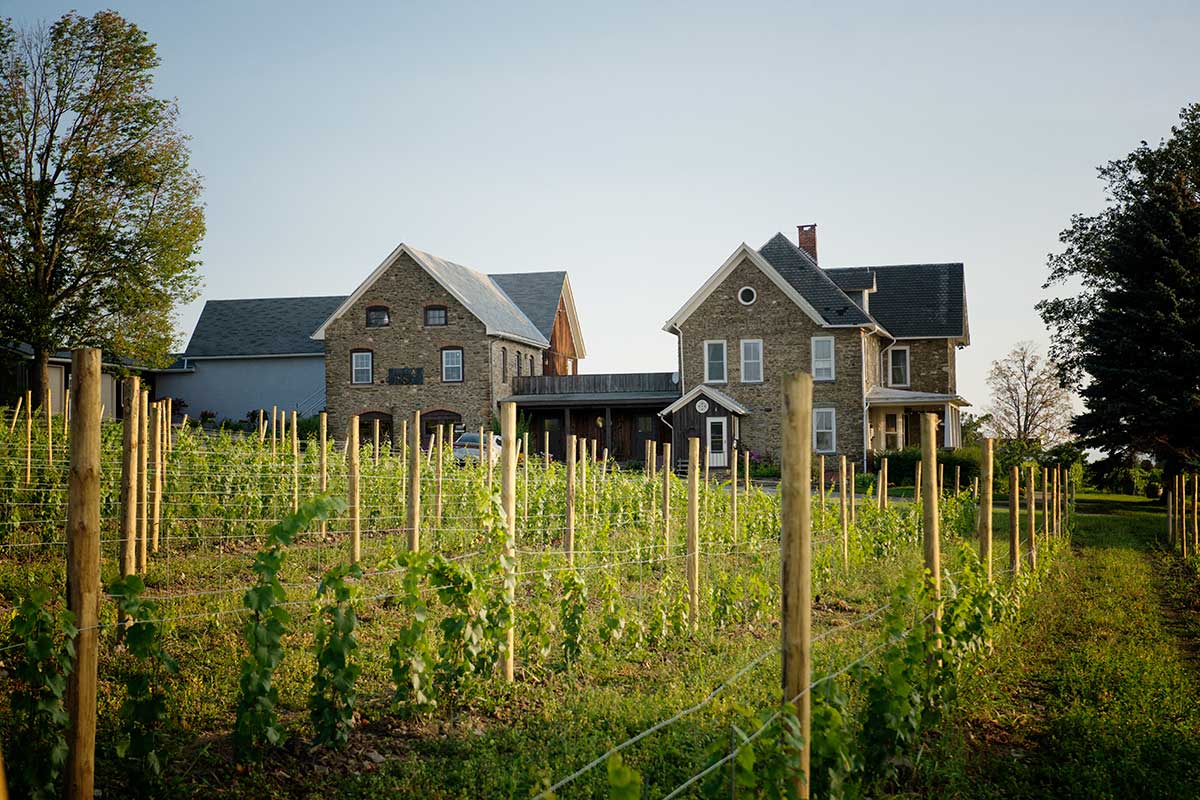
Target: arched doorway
x,y
431,420
366,427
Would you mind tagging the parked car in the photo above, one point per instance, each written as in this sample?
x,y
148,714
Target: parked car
x,y
467,446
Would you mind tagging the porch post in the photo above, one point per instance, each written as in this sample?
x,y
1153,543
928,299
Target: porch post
x,y
946,425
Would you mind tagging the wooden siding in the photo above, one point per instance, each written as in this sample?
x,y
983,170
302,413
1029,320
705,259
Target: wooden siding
x,y
559,358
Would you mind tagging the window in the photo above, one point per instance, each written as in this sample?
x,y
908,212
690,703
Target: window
x,y
824,430
452,365
747,295
822,358
898,366
891,431
504,365
752,366
716,441
531,365
435,315
362,366
520,364
378,317
714,362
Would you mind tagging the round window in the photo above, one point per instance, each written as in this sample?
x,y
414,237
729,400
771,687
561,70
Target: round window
x,y
747,295
701,406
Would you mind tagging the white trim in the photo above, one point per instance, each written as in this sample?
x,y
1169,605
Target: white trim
x,y
712,393
708,437
753,298
743,251
354,368
461,357
907,365
761,366
812,355
568,297
833,429
724,360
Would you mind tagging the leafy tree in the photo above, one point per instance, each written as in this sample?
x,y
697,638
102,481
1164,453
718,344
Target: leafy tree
x,y
100,219
1130,338
1029,404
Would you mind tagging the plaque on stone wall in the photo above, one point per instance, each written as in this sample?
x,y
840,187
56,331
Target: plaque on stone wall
x,y
406,376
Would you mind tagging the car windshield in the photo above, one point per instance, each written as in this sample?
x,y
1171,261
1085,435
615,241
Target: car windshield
x,y
467,439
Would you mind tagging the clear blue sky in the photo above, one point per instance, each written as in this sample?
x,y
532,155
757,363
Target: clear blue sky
x,y
638,147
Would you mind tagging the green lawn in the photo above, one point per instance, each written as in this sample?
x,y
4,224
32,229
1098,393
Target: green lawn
x,y
1095,694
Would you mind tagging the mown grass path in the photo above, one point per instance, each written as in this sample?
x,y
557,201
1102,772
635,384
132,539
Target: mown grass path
x,y
1097,692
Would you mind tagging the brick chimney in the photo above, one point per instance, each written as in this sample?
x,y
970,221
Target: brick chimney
x,y
807,239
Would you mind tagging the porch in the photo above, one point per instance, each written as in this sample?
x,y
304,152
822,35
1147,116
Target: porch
x,y
894,418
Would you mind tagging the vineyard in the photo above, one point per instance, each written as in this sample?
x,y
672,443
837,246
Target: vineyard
x,y
623,640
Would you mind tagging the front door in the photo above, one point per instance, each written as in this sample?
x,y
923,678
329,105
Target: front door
x,y
717,457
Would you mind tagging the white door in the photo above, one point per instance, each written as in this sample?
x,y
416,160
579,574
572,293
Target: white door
x,y
58,375
716,442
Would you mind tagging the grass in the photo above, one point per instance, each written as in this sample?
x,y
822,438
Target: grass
x,y
1095,694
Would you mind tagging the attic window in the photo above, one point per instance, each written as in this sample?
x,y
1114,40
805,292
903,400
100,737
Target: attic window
x,y
747,295
378,317
435,315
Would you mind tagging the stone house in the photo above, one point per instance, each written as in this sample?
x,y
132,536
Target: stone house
x,y
425,334
880,342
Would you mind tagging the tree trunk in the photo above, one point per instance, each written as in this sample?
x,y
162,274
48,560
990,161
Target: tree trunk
x,y
39,375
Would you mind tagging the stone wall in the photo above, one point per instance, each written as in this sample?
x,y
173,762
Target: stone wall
x,y
786,332
931,365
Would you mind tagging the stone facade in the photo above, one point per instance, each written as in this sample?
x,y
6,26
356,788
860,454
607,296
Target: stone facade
x,y
406,290
931,365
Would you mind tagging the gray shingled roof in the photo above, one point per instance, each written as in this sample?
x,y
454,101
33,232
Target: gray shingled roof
x,y
915,300
535,293
483,297
261,327
853,279
798,268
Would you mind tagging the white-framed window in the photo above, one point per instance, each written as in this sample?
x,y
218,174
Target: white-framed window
x,y
362,366
825,430
891,431
452,365
897,364
822,358
716,441
714,361
747,295
752,361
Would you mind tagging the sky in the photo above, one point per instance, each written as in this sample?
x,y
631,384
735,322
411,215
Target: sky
x,y
636,146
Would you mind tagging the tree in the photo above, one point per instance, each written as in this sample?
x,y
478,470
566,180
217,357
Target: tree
x,y
100,219
1029,404
1130,338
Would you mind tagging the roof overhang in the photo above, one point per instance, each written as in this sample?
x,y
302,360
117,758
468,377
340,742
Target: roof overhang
x,y
716,395
886,396
593,399
568,298
743,251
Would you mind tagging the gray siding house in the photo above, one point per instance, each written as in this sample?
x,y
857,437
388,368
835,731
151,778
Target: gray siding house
x,y
251,354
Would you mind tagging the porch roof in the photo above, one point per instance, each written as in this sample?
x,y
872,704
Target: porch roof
x,y
716,395
594,399
887,396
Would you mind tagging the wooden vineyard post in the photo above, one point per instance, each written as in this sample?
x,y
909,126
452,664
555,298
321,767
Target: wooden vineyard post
x,y
404,463
295,465
143,479
324,461
83,571
821,483
1014,520
353,453
1181,482
374,441
957,478
546,451
1195,506
595,478
583,477
984,524
490,466
666,498
1031,517
49,430
917,484
169,440
508,499
693,532
883,484
941,484
29,437
414,484
853,500
156,448
1045,504
569,535
525,497
1054,501
844,515
796,490
746,470
274,431
437,480
130,448
66,415
933,548
733,493
1170,519
262,426
12,426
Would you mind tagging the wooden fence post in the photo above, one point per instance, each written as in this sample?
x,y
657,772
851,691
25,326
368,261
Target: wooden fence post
x,y
984,523
844,516
28,437
569,535
375,442
796,491
693,532
156,482
883,484
933,548
508,499
583,477
1170,519
1014,520
130,448
324,458
438,478
353,453
83,570
170,438
733,493
595,478
274,432
49,429
957,478
917,484
853,500
525,498
666,498
821,483
143,480
12,426
546,451
1045,504
1054,501
746,470
1196,507
1031,517
404,463
414,484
